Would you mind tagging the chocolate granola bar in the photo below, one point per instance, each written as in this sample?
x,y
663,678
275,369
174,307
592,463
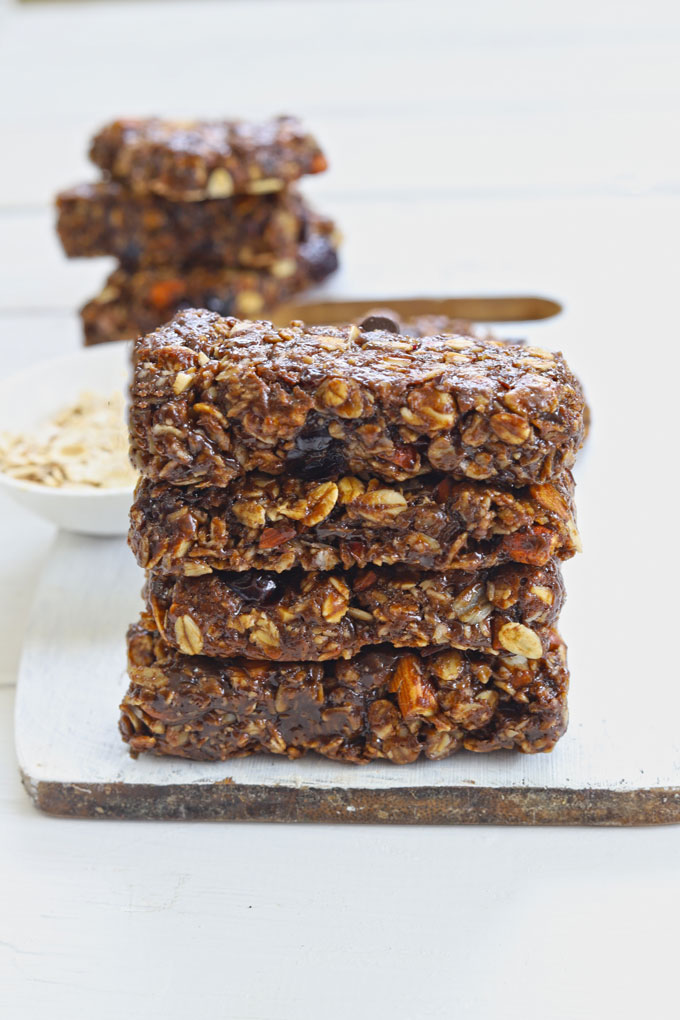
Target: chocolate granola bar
x,y
315,616
382,704
213,398
133,303
245,231
188,161
433,325
278,523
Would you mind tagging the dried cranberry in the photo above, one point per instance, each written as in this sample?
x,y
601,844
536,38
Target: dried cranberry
x,y
405,457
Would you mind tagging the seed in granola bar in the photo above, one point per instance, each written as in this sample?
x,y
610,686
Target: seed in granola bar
x,y
349,488
220,184
265,186
511,428
248,303
188,635
380,505
520,640
273,537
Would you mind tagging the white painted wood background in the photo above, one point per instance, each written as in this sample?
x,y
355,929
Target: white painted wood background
x,y
473,146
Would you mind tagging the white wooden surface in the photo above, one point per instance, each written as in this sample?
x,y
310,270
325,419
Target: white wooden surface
x,y
473,146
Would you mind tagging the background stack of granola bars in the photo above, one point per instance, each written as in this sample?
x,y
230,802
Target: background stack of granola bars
x,y
351,541
199,214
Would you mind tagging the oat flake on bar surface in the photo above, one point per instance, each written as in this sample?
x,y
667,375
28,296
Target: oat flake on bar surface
x,y
83,446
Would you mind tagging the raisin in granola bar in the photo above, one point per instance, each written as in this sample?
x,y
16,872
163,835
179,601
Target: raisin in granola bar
x,y
245,231
277,523
133,303
319,615
213,398
382,704
188,161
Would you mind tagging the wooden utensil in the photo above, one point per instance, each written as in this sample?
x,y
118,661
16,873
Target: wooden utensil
x,y
475,309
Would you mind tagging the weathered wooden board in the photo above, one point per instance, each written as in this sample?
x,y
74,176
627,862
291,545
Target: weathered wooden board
x,y
73,762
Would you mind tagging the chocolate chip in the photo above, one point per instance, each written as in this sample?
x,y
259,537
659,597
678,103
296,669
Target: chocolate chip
x,y
386,320
253,586
316,456
319,258
129,255
221,305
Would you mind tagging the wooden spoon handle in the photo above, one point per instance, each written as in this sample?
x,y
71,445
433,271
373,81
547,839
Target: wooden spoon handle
x,y
475,309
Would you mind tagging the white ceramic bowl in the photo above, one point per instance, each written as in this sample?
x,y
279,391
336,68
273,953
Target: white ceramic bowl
x,y
32,397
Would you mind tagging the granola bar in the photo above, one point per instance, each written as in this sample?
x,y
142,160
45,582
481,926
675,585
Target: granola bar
x,y
432,325
188,161
382,704
133,303
245,231
213,398
277,523
319,615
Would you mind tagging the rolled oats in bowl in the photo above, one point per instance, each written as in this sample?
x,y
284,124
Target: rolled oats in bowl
x,y
84,445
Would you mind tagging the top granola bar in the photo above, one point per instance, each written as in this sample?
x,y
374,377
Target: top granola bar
x,y
187,161
213,398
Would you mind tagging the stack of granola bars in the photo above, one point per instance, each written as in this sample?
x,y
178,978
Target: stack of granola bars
x,y
198,214
351,540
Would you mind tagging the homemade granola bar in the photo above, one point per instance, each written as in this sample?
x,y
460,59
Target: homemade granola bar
x,y
432,325
318,615
188,161
133,303
245,231
382,704
213,398
277,523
